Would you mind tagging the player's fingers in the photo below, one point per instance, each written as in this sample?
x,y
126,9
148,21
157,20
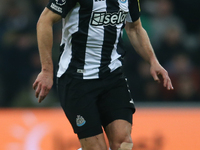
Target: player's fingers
x,y
155,76
165,81
165,77
35,85
41,98
169,85
43,94
38,90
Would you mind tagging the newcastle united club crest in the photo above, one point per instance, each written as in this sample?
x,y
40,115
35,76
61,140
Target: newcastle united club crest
x,y
80,121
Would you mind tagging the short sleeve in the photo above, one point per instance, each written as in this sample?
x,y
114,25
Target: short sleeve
x,y
61,7
134,11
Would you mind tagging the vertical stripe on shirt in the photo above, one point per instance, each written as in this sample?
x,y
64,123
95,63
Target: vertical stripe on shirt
x,y
71,20
94,45
109,39
79,41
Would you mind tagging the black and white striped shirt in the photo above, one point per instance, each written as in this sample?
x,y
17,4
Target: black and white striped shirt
x,y
91,35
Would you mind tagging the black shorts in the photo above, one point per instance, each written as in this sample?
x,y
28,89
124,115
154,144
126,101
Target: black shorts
x,y
91,104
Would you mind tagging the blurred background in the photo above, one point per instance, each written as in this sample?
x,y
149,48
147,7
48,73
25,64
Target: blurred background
x,y
173,28
174,31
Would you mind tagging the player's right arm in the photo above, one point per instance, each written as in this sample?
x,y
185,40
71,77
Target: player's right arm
x,y
44,80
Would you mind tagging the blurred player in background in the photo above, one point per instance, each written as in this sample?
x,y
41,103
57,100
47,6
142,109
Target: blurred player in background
x,y
92,89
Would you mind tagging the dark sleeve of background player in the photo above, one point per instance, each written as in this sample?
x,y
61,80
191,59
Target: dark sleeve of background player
x,y
134,9
61,7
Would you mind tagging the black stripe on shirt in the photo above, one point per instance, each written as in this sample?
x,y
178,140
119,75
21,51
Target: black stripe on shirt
x,y
79,41
110,34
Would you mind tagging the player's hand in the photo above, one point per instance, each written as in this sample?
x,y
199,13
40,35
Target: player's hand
x,y
42,85
158,71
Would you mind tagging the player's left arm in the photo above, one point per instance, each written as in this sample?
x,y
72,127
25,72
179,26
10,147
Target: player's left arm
x,y
141,43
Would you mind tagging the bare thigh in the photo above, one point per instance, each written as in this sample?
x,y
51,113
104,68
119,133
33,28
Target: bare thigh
x,y
96,142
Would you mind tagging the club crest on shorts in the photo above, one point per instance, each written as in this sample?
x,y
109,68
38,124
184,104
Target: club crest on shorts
x,y
80,121
123,1
60,2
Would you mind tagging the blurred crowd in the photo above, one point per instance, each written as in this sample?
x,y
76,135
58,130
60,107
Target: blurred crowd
x,y
173,28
